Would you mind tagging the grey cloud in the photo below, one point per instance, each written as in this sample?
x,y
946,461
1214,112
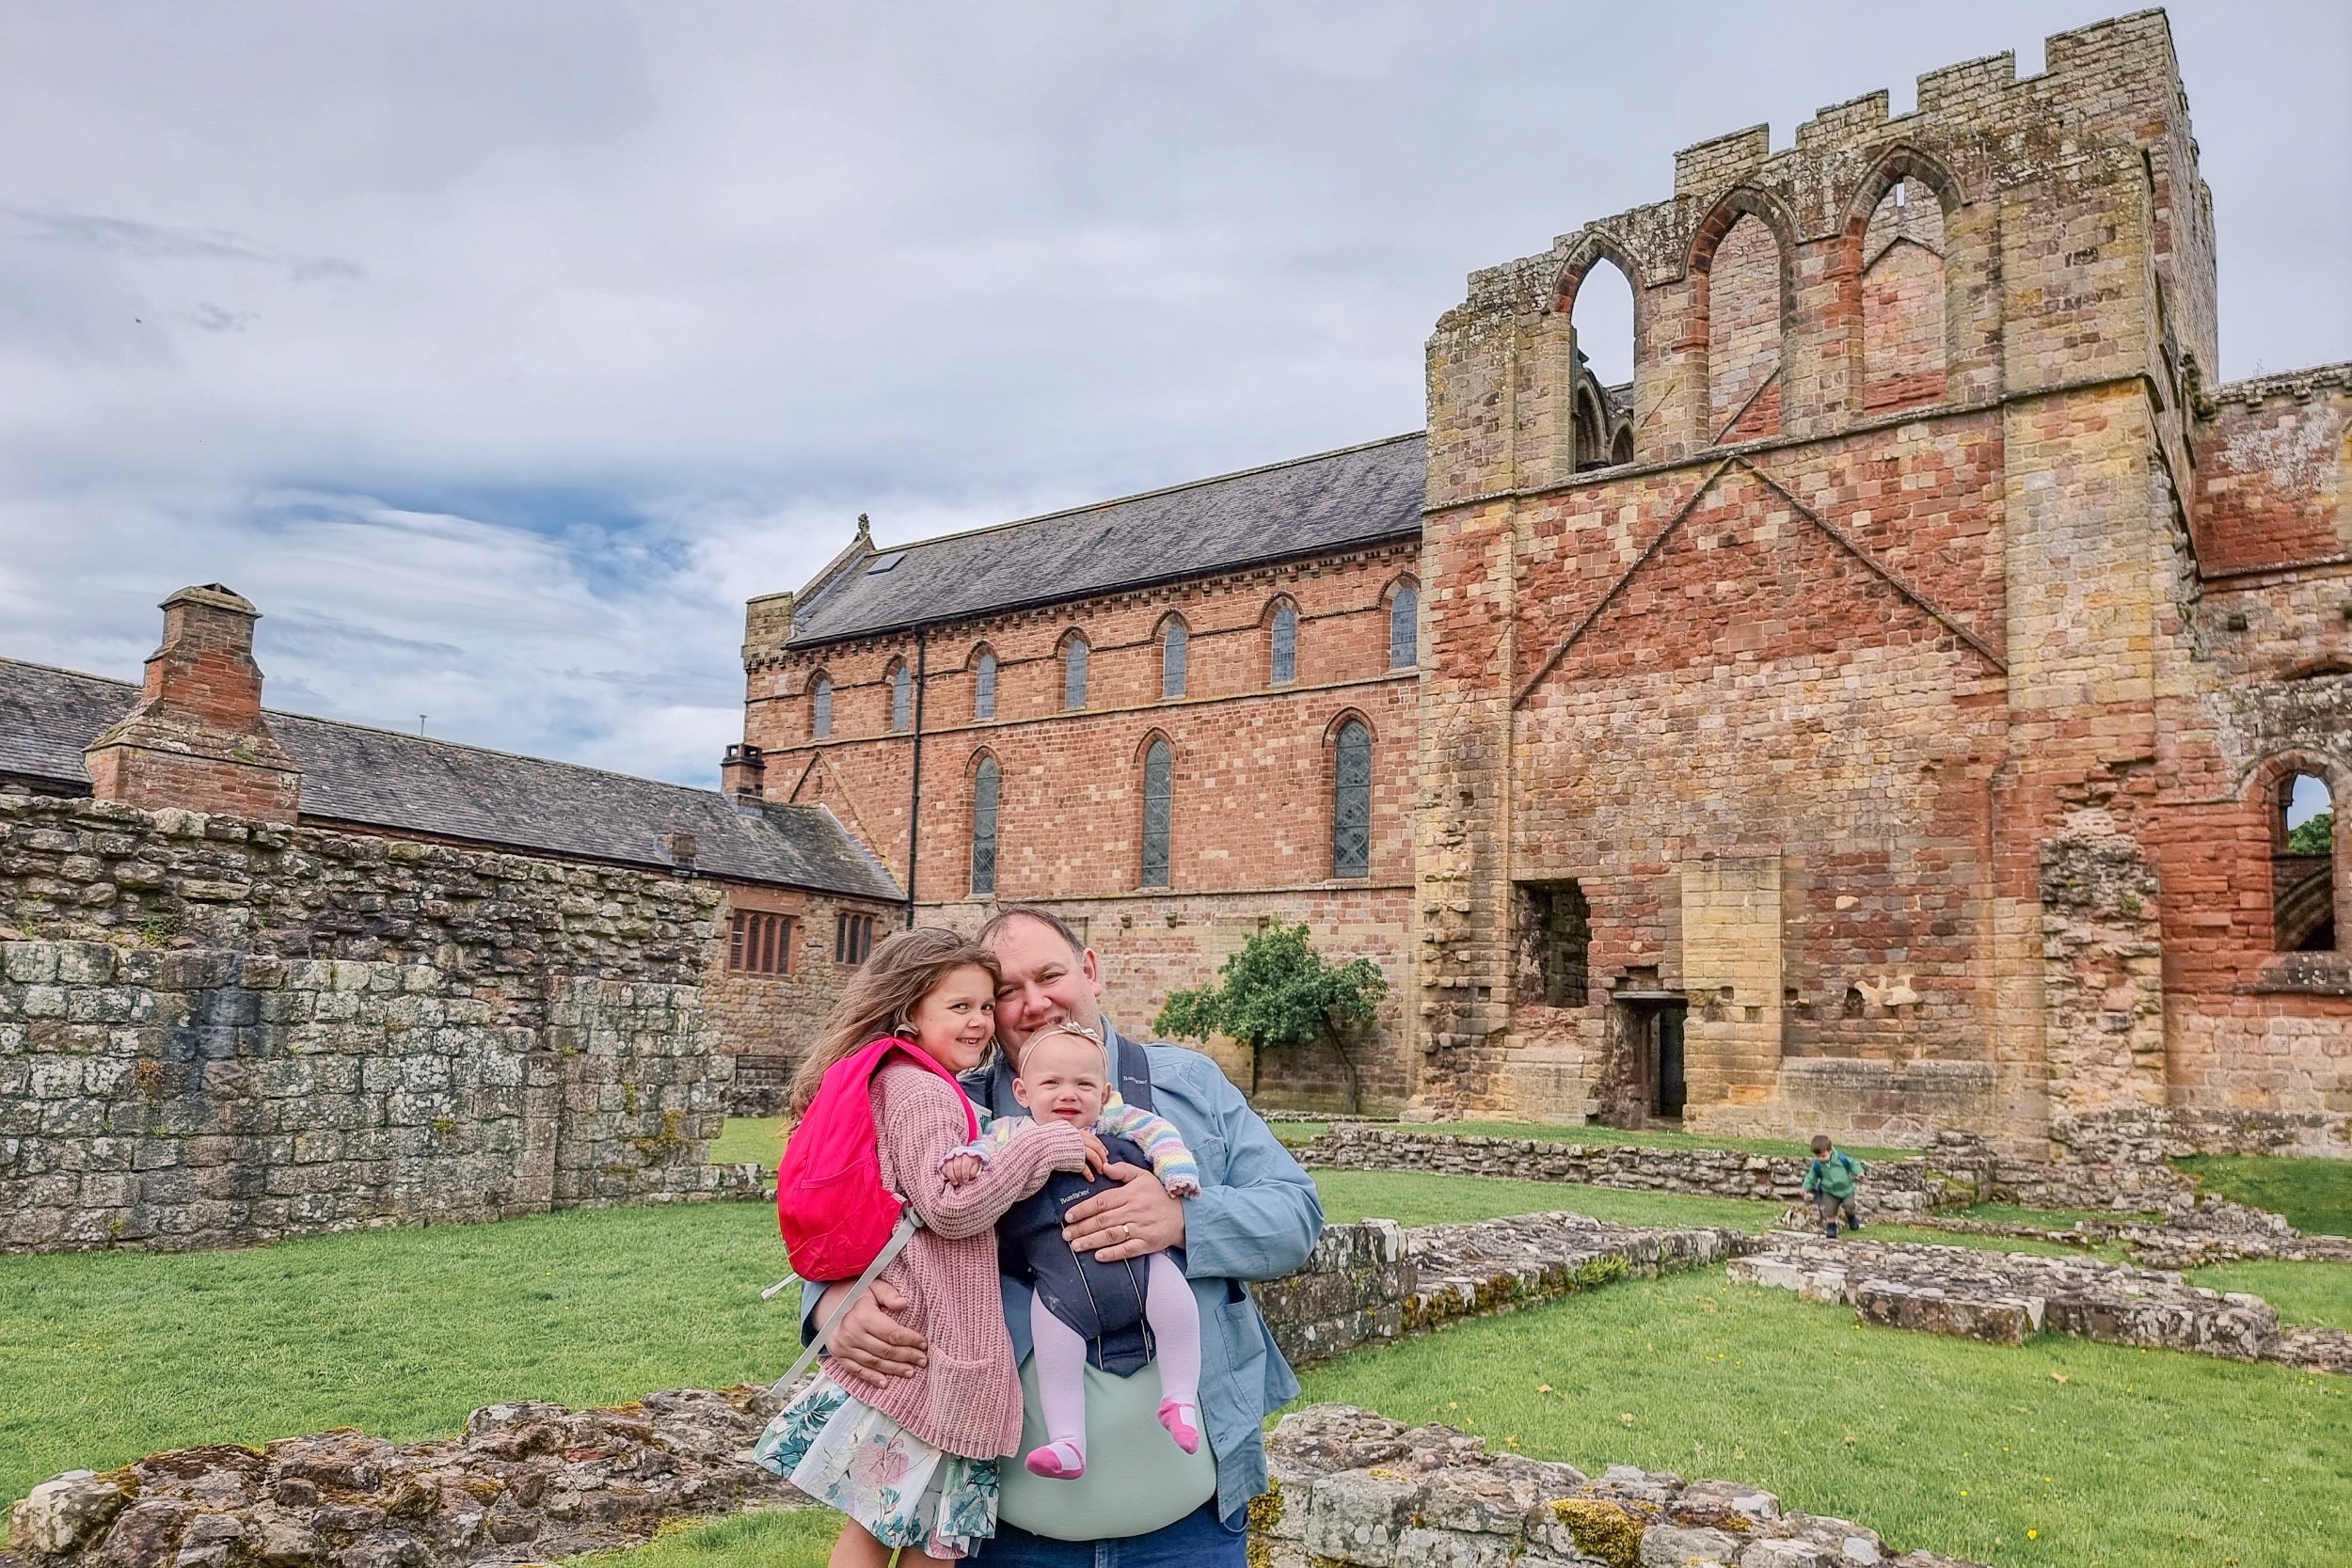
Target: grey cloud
x,y
740,271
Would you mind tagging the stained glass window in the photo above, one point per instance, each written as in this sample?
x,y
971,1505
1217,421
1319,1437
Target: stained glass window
x,y
1404,630
1159,801
1351,802
1282,666
901,696
985,781
820,708
984,686
1073,674
1172,653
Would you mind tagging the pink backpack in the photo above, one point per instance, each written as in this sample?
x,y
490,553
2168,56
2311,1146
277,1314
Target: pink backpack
x,y
835,1213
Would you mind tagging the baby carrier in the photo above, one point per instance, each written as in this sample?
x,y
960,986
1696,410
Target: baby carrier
x,y
1103,1302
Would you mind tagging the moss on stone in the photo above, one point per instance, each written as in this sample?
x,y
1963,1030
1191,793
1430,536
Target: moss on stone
x,y
1601,1530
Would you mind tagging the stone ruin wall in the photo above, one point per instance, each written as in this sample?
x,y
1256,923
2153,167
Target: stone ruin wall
x,y
215,1031
1927,833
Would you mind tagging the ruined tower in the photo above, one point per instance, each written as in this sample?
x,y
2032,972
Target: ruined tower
x,y
1851,753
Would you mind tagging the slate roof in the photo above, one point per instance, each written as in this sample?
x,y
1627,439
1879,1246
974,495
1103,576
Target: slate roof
x,y
383,778
1356,496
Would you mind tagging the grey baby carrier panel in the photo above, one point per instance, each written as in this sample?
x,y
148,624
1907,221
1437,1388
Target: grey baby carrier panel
x,y
1102,1301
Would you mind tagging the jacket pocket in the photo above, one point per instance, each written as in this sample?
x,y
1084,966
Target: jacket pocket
x,y
1233,1400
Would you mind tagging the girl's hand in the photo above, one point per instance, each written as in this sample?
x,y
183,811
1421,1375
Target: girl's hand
x,y
961,1168
1097,1156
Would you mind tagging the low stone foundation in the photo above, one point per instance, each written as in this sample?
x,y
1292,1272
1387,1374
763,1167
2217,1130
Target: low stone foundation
x,y
1353,1488
2005,1298
525,1483
1376,1281
1937,1179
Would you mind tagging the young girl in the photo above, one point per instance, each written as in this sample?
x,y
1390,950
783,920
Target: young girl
x,y
914,1465
1064,1078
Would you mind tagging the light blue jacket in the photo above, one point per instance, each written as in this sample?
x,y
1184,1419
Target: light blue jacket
x,y
1255,1217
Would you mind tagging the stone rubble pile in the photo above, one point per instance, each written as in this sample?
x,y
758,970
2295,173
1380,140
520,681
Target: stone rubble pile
x,y
1906,1186
1353,1488
1495,1265
2196,1232
2005,1298
525,1483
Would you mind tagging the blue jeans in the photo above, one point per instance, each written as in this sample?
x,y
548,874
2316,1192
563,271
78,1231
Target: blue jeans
x,y
1198,1539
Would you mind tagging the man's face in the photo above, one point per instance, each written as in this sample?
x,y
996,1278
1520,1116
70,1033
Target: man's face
x,y
1043,983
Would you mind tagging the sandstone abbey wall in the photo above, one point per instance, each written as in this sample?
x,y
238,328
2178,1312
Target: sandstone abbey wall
x,y
1898,740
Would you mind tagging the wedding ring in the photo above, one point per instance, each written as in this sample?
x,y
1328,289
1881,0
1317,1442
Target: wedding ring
x,y
1126,1232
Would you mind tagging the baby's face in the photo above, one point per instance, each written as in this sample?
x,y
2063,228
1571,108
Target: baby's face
x,y
1061,1076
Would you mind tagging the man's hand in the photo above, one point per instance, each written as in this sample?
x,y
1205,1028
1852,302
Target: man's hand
x,y
870,1346
1139,1218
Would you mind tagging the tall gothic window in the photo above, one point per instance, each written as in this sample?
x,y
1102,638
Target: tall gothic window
x,y
1282,658
820,708
901,696
1404,627
1159,809
1351,801
1073,673
984,686
2303,866
985,784
1173,652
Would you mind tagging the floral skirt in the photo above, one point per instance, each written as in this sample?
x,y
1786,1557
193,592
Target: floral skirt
x,y
849,1456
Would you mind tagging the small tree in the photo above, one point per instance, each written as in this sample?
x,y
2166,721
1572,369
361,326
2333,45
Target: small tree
x,y
2314,835
1277,991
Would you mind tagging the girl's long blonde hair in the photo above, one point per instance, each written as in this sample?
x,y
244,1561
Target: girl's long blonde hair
x,y
904,968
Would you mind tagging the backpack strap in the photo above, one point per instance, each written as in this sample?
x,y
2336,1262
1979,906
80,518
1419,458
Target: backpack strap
x,y
1134,1070
900,1236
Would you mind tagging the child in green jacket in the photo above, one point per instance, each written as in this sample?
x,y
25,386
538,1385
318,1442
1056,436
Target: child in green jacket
x,y
1832,1180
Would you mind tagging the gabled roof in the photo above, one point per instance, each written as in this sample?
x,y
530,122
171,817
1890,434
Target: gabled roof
x,y
385,780
1356,496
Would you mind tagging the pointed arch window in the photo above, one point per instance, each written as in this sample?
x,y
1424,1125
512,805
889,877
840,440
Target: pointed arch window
x,y
901,696
987,781
1282,649
2302,865
820,708
1404,627
1159,811
984,686
1351,800
1073,673
1174,652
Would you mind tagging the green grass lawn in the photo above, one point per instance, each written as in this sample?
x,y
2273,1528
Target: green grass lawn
x,y
748,1140
113,1356
2119,1458
1414,1198
775,1538
2316,1196
1302,1131
2318,1295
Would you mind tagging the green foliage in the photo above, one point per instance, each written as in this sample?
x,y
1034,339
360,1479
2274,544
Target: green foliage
x,y
1277,993
1943,1444
2316,836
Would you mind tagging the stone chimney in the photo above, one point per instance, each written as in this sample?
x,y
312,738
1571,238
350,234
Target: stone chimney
x,y
742,771
195,739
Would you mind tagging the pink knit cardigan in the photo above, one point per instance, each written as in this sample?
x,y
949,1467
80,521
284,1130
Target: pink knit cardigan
x,y
966,1397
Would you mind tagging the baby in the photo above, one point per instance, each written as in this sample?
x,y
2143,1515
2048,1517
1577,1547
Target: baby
x,y
1064,1075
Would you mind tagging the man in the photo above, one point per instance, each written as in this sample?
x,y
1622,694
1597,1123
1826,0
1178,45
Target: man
x,y
1257,1217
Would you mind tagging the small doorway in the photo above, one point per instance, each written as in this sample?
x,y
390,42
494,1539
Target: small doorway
x,y
1653,1037
1672,1088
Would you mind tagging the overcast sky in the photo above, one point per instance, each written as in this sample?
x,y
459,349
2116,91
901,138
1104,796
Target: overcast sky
x,y
498,351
